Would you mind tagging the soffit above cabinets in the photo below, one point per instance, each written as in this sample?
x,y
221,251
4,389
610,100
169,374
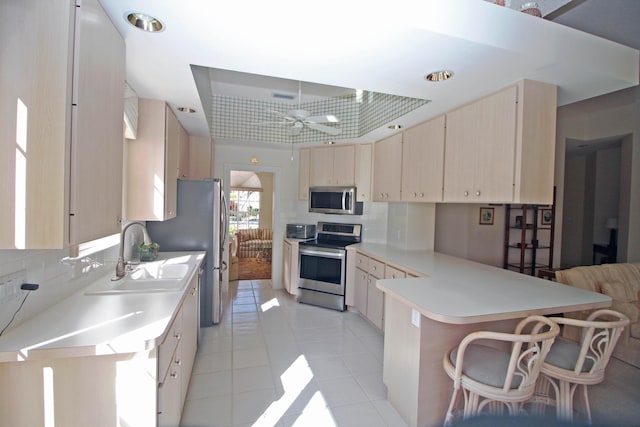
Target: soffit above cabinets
x,y
360,46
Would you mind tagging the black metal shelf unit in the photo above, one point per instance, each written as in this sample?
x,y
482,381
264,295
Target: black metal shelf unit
x,y
528,237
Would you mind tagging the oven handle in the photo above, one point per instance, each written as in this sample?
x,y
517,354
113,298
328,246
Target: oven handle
x,y
337,254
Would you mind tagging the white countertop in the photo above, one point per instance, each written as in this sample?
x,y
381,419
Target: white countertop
x,y
82,325
459,291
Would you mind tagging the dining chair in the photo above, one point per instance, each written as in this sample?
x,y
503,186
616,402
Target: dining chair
x,y
490,377
572,364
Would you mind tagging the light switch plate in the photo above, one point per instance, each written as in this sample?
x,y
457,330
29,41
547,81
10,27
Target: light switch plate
x,y
415,318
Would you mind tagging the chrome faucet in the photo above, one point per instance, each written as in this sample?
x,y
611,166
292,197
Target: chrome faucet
x,y
121,265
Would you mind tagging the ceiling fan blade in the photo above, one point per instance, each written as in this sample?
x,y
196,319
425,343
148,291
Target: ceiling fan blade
x,y
278,113
329,118
269,123
323,128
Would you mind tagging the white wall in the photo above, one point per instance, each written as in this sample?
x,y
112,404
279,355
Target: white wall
x,y
458,233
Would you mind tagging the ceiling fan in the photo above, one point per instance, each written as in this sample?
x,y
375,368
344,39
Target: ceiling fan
x,y
298,118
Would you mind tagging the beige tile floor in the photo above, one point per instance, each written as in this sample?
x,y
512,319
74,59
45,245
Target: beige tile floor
x,y
275,362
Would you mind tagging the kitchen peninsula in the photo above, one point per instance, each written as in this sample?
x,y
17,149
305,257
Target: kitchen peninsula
x,y
426,316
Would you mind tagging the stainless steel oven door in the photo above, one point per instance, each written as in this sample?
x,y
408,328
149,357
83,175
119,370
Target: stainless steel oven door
x,y
322,269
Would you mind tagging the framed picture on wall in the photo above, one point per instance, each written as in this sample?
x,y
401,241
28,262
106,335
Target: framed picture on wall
x,y
486,216
546,216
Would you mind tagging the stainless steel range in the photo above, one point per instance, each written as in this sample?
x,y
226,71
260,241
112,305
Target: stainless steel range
x,y
322,264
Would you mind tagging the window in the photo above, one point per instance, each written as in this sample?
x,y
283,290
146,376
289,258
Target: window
x,y
244,210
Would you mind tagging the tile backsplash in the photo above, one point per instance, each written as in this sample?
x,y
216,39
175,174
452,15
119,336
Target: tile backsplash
x,y
57,275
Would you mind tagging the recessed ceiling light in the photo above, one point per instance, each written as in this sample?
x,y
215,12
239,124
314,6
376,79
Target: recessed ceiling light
x,y
395,127
186,110
144,22
330,142
439,76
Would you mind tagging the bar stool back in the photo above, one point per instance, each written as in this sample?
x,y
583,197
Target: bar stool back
x,y
490,378
571,364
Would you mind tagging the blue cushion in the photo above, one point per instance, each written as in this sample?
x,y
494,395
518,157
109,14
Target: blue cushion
x,y
486,365
564,354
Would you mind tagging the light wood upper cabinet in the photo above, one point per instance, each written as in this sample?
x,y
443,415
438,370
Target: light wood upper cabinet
x,y
364,158
303,173
332,166
152,164
423,162
43,73
97,141
183,153
344,165
501,148
321,166
387,169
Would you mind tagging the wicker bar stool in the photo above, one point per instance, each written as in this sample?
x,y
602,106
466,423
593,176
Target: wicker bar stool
x,y
571,364
492,379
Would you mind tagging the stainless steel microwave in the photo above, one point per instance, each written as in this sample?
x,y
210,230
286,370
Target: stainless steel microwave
x,y
334,200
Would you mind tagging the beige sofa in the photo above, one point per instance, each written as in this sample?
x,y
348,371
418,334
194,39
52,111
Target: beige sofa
x,y
622,283
254,243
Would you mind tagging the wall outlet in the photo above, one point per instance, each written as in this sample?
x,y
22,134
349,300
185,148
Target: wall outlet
x,y
10,286
415,317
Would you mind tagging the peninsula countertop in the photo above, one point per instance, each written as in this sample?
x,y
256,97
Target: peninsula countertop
x,y
84,324
459,291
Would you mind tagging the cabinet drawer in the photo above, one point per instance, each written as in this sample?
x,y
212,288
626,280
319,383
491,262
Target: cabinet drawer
x,y
362,261
167,349
376,268
394,273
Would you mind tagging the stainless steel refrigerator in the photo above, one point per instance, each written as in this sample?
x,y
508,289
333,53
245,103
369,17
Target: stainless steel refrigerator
x,y
201,224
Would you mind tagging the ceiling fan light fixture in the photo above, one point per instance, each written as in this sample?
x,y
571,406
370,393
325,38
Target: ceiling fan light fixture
x,y
144,22
439,76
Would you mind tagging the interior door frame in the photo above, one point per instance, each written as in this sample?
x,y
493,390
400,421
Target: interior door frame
x,y
276,251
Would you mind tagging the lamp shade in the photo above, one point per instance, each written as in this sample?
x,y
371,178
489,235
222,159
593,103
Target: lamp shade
x,y
611,224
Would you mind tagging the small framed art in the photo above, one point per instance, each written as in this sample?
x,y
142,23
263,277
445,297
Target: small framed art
x,y
486,216
546,216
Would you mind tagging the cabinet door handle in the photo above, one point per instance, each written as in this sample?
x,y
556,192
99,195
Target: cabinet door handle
x,y
174,374
421,195
178,362
477,193
177,335
415,195
466,193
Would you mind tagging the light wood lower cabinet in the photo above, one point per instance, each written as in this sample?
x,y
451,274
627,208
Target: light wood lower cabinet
x,y
143,388
176,356
368,299
362,293
290,266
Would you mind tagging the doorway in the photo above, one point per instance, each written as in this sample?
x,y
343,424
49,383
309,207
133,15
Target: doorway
x,y
251,195
592,201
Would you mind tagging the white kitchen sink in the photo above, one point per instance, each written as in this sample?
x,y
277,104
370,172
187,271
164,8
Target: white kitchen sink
x,y
149,277
158,271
